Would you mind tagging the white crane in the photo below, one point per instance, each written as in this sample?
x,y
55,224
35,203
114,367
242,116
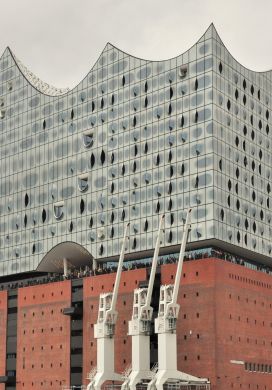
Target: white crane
x,y
165,326
139,326
104,330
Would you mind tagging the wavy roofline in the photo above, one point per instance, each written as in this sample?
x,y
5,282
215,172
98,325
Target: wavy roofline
x,y
42,87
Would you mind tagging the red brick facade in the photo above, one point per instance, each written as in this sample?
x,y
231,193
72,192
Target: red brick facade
x,y
3,333
43,337
225,321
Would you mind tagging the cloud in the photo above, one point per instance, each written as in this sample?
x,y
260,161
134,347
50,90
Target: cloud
x,y
60,40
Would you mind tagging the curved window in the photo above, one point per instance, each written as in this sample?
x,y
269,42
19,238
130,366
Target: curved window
x,y
88,139
58,210
134,245
71,227
72,114
92,160
229,185
220,67
26,200
112,232
91,222
196,117
25,220
82,206
102,157
146,148
123,215
246,224
82,182
146,102
146,87
43,215
146,225
196,84
228,200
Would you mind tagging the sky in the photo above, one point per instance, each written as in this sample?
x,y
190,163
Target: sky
x,y
60,40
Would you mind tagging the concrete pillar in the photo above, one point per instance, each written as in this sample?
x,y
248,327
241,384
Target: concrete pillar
x,y
65,268
94,264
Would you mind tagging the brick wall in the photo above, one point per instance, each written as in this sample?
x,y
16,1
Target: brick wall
x,y
43,336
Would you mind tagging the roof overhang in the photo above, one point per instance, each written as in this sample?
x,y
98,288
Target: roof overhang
x,y
76,255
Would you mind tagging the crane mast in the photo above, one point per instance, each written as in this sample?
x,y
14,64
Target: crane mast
x,y
139,326
165,327
104,329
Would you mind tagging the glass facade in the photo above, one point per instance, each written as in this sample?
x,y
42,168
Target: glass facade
x,y
135,139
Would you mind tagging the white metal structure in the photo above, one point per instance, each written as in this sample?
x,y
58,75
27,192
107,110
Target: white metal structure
x,y
104,330
165,326
139,326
